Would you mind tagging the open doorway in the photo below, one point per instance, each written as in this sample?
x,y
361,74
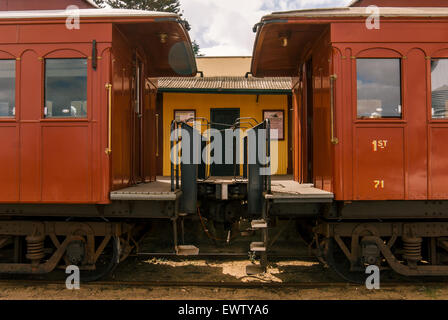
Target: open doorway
x,y
222,119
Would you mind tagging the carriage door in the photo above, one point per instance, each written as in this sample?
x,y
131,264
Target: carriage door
x,y
138,124
308,156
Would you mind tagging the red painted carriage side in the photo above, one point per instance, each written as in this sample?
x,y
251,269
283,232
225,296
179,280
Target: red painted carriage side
x,y
413,165
63,160
54,158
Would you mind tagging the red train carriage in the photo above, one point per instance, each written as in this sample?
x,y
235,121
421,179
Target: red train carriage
x,y
77,121
370,125
78,131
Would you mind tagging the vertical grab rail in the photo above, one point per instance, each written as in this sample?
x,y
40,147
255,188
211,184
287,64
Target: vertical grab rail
x,y
268,151
333,78
109,120
178,159
157,134
174,158
171,159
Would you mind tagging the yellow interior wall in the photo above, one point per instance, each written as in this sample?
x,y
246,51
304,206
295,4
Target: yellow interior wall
x,y
202,103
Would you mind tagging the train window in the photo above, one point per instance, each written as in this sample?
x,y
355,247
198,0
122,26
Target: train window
x,y
7,88
379,88
65,88
439,85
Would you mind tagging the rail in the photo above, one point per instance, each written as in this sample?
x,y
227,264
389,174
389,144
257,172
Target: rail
x,y
261,283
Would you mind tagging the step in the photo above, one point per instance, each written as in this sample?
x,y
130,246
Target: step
x,y
187,250
259,224
257,247
254,269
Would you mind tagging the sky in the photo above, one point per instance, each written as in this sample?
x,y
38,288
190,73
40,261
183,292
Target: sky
x,y
224,27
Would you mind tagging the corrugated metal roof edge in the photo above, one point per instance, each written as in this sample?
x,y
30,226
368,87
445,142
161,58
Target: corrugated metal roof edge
x,y
227,91
226,83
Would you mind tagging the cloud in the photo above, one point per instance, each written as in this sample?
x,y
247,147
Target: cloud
x,y
224,27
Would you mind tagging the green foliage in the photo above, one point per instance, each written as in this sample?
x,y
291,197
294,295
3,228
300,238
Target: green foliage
x,y
196,49
150,5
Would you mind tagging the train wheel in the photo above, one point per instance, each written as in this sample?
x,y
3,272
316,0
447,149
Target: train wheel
x,y
337,260
106,263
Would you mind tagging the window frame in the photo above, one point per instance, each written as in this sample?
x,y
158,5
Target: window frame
x,y
402,88
429,85
56,56
12,118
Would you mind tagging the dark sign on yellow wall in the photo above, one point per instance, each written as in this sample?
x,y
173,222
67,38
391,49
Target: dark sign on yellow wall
x,y
277,120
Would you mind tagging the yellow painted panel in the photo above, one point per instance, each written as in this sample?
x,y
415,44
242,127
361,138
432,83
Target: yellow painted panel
x,y
248,105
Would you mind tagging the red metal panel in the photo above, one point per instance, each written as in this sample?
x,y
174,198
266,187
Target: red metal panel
x,y
396,33
122,112
438,168
101,161
31,76
65,164
323,150
379,163
8,34
415,98
149,133
58,33
9,159
30,162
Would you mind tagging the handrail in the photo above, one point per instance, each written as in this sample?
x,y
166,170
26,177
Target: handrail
x,y
174,162
157,134
333,78
238,120
268,155
109,140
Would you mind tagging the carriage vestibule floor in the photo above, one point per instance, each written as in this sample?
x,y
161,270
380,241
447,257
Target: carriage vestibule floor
x,y
156,190
283,187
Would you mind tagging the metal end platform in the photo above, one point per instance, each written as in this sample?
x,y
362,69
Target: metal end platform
x,y
159,190
288,190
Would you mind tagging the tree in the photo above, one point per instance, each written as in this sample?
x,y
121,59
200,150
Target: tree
x,y
150,5
196,49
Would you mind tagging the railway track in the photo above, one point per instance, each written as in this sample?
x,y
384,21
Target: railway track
x,y
207,284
